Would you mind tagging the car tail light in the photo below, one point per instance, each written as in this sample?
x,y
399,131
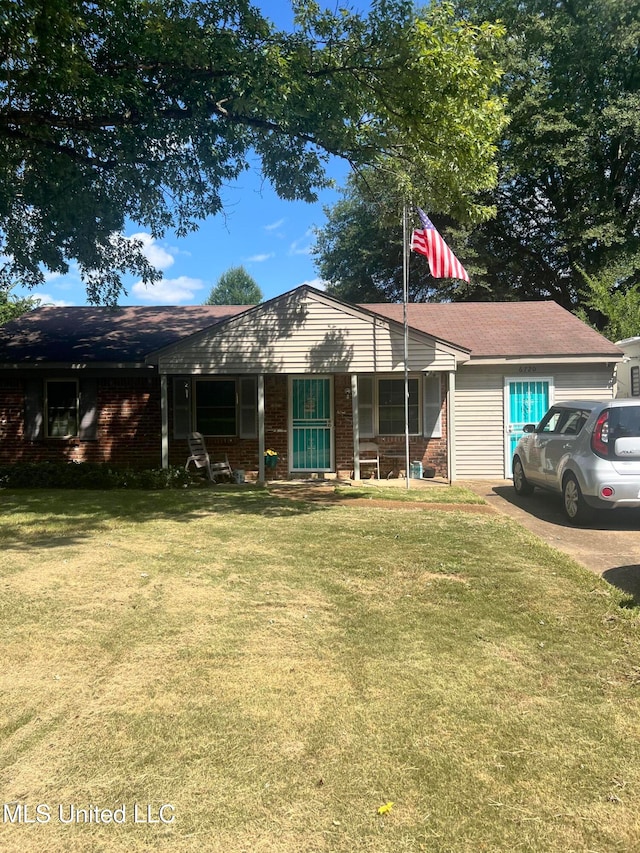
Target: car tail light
x,y
600,437
607,492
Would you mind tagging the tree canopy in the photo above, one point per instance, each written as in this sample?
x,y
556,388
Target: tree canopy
x,y
123,110
12,306
567,200
568,197
358,252
235,287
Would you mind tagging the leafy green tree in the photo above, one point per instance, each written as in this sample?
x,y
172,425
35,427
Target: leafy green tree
x,y
359,249
143,111
235,287
615,304
568,192
12,306
568,196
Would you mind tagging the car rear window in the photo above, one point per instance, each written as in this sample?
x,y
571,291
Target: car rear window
x,y
616,429
625,422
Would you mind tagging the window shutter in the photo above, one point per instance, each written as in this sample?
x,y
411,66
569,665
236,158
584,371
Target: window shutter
x,y
181,406
33,409
248,406
88,414
365,406
635,381
432,407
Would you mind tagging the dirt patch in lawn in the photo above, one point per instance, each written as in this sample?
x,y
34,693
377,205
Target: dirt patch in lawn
x,y
326,494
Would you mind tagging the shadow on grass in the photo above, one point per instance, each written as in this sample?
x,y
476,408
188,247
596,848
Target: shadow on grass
x,y
626,579
54,518
547,506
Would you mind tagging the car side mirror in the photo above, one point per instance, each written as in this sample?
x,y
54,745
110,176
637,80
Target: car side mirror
x,y
529,428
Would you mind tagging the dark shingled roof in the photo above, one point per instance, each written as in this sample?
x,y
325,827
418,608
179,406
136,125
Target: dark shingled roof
x,y
127,335
504,329
93,335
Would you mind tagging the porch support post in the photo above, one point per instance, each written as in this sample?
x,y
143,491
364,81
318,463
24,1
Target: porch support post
x,y
164,414
261,444
356,427
451,426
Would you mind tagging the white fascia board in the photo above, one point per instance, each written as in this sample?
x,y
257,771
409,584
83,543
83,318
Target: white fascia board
x,y
551,359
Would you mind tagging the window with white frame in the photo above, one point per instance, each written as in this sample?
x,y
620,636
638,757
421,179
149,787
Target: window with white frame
x,y
61,408
381,410
216,406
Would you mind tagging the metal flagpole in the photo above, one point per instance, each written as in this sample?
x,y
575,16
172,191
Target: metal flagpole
x,y
405,299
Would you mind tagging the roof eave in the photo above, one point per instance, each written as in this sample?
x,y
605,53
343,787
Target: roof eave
x,y
586,358
74,365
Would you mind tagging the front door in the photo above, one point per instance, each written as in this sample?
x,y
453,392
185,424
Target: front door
x,y
311,435
526,401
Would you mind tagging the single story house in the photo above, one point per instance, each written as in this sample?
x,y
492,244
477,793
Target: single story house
x,y
628,370
305,375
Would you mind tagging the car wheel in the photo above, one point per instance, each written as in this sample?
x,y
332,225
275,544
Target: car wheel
x,y
575,508
520,483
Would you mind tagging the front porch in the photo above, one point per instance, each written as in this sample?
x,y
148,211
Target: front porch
x,y
312,425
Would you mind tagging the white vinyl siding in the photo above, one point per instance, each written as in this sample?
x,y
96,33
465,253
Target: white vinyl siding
x,y
480,415
594,383
303,336
479,439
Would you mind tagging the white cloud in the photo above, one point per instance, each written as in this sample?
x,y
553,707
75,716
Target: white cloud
x,y
318,283
153,252
168,291
46,299
52,276
301,246
258,259
275,225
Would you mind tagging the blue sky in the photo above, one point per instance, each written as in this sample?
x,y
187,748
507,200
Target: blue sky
x,y
271,238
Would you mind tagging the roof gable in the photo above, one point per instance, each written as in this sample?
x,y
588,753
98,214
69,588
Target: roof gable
x,y
306,330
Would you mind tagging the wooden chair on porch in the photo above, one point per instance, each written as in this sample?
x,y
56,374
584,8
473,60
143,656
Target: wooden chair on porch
x,y
201,459
369,453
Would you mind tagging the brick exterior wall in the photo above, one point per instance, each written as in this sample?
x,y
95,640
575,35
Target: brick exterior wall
x,y
432,452
129,431
243,452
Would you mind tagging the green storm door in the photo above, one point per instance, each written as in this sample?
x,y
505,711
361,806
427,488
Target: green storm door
x,y
311,424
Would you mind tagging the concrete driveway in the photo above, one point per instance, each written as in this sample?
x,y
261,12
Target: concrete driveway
x,y
610,546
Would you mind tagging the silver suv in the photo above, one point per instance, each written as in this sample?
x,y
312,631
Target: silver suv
x,y
589,452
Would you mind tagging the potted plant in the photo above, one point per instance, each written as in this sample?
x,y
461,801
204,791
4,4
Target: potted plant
x,y
270,458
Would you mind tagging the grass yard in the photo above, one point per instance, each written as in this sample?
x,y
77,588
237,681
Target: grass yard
x,y
423,493
275,671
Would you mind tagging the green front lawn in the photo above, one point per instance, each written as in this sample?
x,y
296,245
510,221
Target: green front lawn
x,y
276,671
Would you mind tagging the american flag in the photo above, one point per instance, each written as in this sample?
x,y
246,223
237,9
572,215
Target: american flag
x,y
442,262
